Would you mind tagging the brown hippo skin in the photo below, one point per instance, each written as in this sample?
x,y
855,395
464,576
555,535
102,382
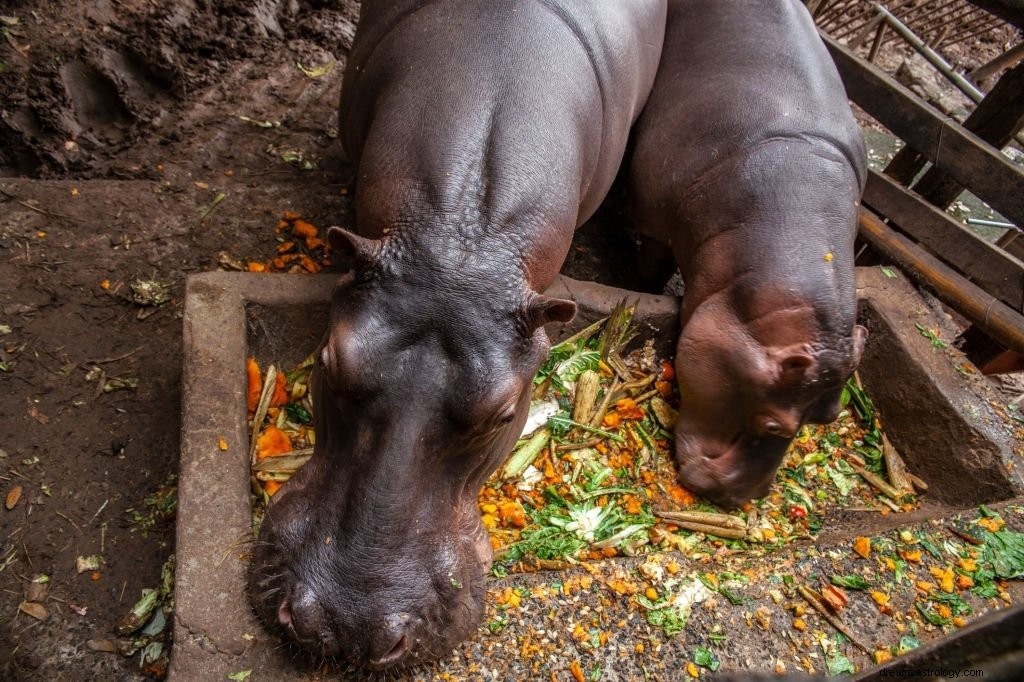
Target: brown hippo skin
x,y
483,134
750,165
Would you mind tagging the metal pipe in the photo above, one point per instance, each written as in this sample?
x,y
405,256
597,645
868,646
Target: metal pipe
x,y
936,60
991,223
932,56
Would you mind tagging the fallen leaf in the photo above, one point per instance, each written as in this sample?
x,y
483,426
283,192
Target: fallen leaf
x,y
36,592
88,563
107,646
834,596
316,71
34,609
34,412
13,495
120,384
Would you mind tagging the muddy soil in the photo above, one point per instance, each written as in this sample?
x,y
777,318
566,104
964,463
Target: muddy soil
x,y
139,142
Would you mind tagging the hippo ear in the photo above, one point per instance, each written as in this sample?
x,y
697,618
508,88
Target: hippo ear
x,y
544,309
860,337
349,246
794,366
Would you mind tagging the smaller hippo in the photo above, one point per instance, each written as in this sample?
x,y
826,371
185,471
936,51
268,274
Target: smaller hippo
x,y
483,133
750,165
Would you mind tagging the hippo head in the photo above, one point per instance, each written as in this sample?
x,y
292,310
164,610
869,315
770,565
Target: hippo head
x,y
374,551
747,385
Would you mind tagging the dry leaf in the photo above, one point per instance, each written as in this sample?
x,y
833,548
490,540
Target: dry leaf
x,y
36,592
13,495
108,646
34,609
834,596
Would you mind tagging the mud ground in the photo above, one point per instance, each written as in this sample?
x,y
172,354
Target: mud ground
x,y
139,141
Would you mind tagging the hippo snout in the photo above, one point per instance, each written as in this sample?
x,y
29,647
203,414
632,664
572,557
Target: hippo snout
x,y
388,641
377,601
729,474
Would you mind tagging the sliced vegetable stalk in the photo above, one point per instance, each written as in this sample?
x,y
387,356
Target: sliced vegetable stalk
x,y
524,456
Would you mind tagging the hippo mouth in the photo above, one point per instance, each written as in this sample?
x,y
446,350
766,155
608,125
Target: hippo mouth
x,y
378,629
732,475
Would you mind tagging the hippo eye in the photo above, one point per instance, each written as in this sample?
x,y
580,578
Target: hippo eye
x,y
507,417
769,425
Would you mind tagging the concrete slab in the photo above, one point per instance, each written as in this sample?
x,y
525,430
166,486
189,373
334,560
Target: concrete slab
x,y
582,620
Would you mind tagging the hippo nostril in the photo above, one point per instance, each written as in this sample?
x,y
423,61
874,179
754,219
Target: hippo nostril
x,y
302,615
391,643
397,653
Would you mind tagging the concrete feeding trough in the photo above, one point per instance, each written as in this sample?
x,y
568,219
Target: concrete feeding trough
x,y
937,417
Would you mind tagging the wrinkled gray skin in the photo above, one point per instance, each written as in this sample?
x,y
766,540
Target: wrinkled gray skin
x,y
483,133
749,163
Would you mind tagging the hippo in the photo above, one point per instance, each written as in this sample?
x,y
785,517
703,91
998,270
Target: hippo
x,y
749,165
482,134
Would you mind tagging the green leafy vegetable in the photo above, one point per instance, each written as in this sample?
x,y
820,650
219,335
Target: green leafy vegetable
x,y
704,657
854,582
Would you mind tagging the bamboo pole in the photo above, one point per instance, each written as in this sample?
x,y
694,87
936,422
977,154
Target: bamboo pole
x,y
995,318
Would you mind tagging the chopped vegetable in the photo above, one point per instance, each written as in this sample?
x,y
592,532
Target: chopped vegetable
x,y
254,385
272,442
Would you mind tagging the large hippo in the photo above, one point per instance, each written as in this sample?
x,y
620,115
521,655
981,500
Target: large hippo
x,y
483,133
750,165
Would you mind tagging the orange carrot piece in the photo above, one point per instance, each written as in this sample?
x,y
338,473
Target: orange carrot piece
x,y
280,396
255,386
273,441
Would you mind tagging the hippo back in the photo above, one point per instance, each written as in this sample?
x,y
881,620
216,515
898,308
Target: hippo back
x,y
744,85
546,61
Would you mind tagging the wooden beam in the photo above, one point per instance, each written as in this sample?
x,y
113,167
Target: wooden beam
x,y
991,268
943,141
996,120
989,314
1007,59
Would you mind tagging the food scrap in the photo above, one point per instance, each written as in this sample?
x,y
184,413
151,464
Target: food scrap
x,y
300,249
592,478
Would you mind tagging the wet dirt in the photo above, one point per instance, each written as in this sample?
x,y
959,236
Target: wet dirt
x,y
138,142
119,124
